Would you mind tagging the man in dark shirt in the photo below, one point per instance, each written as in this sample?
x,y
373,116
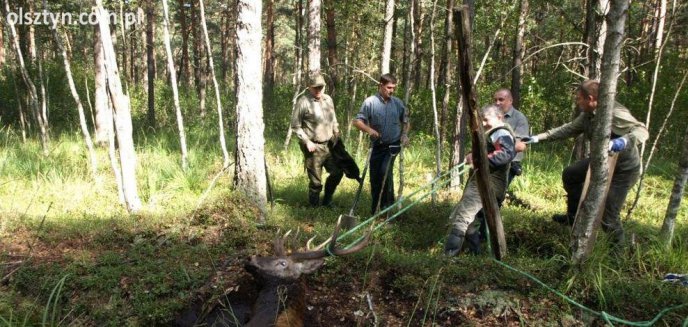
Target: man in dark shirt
x,y
385,118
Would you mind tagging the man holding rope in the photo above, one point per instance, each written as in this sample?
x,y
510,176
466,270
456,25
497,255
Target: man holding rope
x,y
626,134
384,118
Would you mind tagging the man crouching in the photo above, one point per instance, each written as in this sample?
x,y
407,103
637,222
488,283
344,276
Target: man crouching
x,y
501,149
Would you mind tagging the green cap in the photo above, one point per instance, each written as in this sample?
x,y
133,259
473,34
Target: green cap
x,y
316,80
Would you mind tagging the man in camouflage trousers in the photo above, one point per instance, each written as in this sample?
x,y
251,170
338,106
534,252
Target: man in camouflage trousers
x,y
626,134
315,124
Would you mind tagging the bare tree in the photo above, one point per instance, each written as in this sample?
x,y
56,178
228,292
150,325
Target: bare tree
x,y
387,39
173,80
269,71
31,87
250,177
676,194
209,53
313,37
584,230
150,55
122,114
445,66
519,53
72,87
436,127
103,115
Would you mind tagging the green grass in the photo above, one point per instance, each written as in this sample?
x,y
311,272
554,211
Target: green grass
x,y
93,263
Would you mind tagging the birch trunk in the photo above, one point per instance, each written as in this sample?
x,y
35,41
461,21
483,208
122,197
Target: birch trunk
x,y
667,233
122,113
173,81
436,127
33,95
103,116
387,40
249,176
79,106
445,66
584,229
313,37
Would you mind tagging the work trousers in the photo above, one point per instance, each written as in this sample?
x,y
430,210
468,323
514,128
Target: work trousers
x,y
315,161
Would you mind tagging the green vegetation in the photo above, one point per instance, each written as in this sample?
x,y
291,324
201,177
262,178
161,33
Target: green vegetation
x,y
73,256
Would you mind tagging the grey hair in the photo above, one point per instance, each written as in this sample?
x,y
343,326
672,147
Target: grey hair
x,y
491,109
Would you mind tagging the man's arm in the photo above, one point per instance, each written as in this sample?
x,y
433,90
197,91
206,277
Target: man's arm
x,y
296,121
362,126
567,130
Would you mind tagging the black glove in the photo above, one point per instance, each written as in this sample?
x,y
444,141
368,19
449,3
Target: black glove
x,y
516,169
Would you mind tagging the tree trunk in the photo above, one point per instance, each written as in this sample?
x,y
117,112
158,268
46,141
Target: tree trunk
x,y
492,215
584,229
676,194
445,66
2,41
387,40
269,70
519,53
332,46
313,37
298,55
122,113
103,119
150,55
599,48
184,67
209,53
436,127
458,149
32,34
173,81
80,108
33,95
249,176
200,67
418,42
409,51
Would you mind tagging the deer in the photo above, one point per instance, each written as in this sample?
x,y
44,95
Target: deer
x,y
281,300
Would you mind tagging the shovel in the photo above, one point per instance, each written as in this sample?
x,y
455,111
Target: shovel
x,y
349,220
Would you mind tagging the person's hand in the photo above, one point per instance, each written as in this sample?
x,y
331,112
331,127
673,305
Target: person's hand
x,y
310,145
617,144
374,134
404,139
520,146
530,139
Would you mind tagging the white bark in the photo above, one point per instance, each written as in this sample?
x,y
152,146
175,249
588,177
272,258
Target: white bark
x,y
436,124
122,114
103,116
249,176
33,94
313,36
676,194
584,230
603,9
175,92
209,52
387,40
79,106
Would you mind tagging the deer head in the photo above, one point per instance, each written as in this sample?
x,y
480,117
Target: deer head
x,y
289,267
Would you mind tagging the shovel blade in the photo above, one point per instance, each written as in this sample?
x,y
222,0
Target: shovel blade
x,y
349,221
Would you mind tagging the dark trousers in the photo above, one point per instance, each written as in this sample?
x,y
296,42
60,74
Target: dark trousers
x,y
381,159
315,161
626,173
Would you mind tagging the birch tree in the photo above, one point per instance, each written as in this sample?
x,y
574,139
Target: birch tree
x,y
103,111
72,87
676,194
387,40
584,230
209,52
249,176
436,127
173,81
122,113
313,37
30,86
150,55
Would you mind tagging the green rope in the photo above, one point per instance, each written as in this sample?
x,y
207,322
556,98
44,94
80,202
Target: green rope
x,y
607,317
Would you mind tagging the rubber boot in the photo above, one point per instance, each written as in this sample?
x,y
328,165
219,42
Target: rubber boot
x,y
454,242
473,243
314,199
327,200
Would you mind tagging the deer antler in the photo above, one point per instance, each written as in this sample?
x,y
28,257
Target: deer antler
x,y
278,244
332,248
